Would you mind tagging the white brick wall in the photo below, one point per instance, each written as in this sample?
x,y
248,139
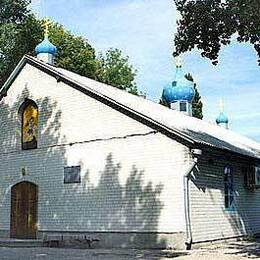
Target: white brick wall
x,y
117,200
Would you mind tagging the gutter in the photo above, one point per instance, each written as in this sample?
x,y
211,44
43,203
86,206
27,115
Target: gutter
x,y
195,153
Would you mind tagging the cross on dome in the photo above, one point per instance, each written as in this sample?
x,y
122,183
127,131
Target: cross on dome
x,y
222,118
46,25
178,62
45,50
221,105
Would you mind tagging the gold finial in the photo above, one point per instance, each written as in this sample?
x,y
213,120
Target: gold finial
x,y
221,105
46,25
178,62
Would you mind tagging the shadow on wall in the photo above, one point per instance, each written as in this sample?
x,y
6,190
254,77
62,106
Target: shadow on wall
x,y
11,122
131,209
128,209
36,161
208,196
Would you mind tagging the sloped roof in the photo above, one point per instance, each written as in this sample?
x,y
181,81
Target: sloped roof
x,y
191,130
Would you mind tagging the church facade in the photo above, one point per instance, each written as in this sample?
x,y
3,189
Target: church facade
x,y
80,157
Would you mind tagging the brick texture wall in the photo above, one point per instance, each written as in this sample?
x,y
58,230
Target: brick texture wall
x,y
131,175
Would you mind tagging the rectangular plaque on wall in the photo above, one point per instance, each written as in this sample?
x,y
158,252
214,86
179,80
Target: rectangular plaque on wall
x,y
72,174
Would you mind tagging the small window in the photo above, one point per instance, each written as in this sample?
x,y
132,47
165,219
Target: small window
x,y
257,176
249,177
183,107
228,187
72,174
29,113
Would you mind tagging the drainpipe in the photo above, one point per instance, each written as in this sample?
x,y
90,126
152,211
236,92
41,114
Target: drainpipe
x,y
195,153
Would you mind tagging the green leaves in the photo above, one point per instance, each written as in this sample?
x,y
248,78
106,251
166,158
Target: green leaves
x,y
20,32
209,24
197,105
74,52
13,11
15,39
115,70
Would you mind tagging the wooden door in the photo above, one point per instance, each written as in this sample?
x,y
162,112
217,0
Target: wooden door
x,y
24,198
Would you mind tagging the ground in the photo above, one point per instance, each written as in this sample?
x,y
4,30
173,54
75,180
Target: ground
x,y
231,250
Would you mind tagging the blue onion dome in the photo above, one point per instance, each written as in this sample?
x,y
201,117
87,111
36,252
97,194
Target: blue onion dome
x,y
181,89
46,47
222,119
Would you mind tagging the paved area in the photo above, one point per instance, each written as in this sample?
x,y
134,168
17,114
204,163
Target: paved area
x,y
235,250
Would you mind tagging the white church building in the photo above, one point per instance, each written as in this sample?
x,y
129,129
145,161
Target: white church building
x,y
79,157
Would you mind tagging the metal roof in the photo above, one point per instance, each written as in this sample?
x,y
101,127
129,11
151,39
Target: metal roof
x,y
184,128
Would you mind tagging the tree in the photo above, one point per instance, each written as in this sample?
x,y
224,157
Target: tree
x,y
74,52
20,32
197,104
163,102
114,69
208,25
14,23
13,12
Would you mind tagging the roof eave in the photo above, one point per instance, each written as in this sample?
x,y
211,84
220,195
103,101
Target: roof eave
x,y
228,151
12,77
174,134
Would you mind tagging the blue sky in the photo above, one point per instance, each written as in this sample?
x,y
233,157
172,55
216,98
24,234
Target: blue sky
x,y
144,30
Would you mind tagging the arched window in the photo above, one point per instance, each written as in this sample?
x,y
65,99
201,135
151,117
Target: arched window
x,y
228,187
29,113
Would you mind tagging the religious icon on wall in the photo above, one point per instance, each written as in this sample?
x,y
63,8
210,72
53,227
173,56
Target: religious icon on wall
x,y
30,127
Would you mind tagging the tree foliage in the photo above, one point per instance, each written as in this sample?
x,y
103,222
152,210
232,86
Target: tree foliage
x,y
13,11
209,24
113,69
21,31
163,102
74,52
197,105
14,34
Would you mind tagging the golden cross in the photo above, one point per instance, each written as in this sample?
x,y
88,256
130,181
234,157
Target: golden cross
x,y
178,61
221,105
46,24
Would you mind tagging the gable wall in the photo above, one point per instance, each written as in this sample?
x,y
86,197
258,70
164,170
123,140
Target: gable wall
x,y
78,124
131,175
210,220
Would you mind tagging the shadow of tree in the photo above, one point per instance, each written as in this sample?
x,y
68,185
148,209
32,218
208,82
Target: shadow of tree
x,y
11,121
247,250
140,254
130,208
213,221
114,207
35,161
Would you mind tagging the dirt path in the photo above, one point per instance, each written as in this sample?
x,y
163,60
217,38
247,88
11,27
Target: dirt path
x,y
231,250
